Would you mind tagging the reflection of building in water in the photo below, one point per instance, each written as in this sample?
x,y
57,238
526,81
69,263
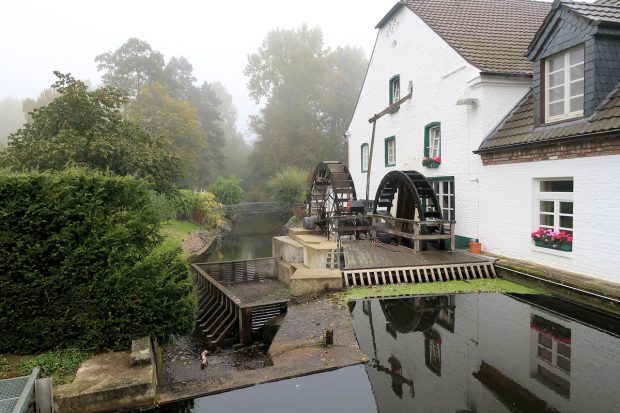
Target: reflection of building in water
x,y
496,353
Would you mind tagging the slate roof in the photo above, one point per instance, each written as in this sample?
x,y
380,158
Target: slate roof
x,y
492,35
518,127
602,10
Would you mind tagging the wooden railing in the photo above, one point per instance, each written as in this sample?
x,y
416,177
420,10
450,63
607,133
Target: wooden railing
x,y
417,231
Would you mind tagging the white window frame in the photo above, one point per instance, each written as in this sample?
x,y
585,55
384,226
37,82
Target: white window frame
x,y
556,198
567,114
552,365
434,141
395,85
390,147
449,212
364,157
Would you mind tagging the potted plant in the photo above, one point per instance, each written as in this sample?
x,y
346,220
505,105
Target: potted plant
x,y
475,246
557,240
431,162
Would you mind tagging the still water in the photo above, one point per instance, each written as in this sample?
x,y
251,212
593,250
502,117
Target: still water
x,y
250,238
456,353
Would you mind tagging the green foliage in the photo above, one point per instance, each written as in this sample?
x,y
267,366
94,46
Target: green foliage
x,y
86,128
199,207
79,267
164,204
289,185
60,365
498,285
227,191
176,121
310,94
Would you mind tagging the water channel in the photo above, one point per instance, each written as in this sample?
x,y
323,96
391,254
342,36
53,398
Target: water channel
x,y
448,353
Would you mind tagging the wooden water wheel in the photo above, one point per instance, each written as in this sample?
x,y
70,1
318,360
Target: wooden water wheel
x,y
408,195
331,189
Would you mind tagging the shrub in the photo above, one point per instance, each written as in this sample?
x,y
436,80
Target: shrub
x,y
289,185
198,207
78,264
227,191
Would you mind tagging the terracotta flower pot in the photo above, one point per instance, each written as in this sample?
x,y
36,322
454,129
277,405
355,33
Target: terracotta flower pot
x,y
475,247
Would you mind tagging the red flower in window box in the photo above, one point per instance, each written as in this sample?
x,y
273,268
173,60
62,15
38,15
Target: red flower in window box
x,y
431,162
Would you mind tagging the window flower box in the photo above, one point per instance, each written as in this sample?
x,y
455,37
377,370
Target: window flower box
x,y
431,162
557,240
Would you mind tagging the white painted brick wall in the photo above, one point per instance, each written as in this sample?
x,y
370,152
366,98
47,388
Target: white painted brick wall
x,y
497,209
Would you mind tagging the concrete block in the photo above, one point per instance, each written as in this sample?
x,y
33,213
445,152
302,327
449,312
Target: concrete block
x,y
141,351
307,281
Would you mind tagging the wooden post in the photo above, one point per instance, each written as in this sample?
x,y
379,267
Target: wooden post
x,y
372,145
245,325
416,240
452,236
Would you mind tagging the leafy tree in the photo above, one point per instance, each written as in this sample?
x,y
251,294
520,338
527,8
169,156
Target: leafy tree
x,y
86,128
175,120
227,190
289,185
310,94
11,118
132,66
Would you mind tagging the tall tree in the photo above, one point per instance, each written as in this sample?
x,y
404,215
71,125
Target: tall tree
x,y
11,118
86,128
176,120
45,98
309,94
132,66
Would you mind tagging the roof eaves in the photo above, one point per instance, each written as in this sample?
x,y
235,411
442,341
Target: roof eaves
x,y
389,14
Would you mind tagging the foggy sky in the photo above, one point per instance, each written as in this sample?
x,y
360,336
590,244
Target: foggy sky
x,y
38,37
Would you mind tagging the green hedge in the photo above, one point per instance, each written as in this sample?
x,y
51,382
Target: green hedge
x,y
79,265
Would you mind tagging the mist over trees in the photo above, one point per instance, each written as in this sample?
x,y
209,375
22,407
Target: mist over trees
x,y
309,94
82,128
11,118
166,101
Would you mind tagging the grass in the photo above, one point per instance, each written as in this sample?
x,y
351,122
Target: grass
x,y
60,365
474,286
174,231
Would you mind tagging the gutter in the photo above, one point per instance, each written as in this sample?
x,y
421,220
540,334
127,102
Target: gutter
x,y
562,139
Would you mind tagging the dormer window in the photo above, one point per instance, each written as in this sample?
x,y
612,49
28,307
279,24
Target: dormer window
x,y
564,85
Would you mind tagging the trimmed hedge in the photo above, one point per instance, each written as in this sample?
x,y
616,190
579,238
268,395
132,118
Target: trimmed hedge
x,y
79,265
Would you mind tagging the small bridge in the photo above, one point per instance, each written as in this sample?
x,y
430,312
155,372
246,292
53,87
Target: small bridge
x,y
258,208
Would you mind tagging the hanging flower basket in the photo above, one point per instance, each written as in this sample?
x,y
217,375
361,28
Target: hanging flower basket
x,y
431,162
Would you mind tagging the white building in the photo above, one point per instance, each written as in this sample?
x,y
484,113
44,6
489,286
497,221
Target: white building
x,y
465,65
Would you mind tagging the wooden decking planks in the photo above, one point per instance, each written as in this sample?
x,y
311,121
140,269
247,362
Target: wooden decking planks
x,y
364,254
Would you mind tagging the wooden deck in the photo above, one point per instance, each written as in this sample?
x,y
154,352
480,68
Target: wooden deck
x,y
255,293
369,263
365,254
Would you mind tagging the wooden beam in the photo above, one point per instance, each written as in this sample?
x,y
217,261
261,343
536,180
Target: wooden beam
x,y
389,108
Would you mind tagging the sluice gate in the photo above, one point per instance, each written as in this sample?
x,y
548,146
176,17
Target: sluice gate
x,y
236,298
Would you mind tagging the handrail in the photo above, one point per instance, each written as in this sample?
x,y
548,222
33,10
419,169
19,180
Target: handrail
x,y
219,286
